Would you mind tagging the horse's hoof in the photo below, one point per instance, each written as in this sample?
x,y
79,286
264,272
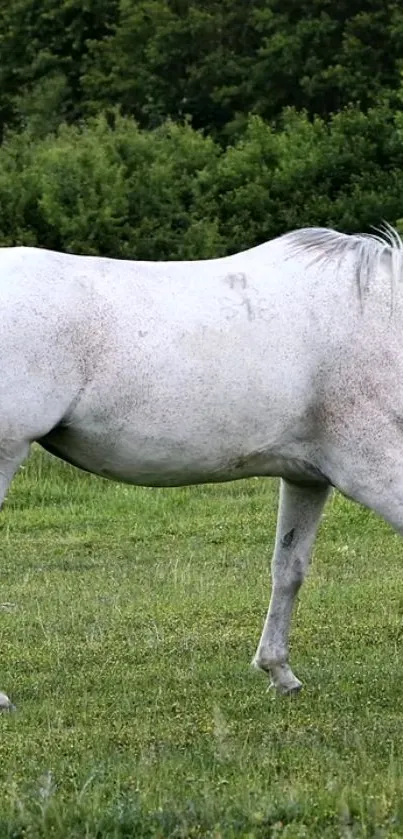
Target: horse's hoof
x,y
5,704
290,688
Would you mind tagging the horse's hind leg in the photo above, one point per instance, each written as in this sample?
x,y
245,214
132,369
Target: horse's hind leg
x,y
11,457
300,511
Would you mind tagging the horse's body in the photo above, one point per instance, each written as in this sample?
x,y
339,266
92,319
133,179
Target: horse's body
x,y
283,360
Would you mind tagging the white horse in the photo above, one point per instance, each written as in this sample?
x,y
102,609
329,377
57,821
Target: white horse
x,y
284,360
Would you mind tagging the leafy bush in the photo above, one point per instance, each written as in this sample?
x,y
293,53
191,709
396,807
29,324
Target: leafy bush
x,y
108,187
346,173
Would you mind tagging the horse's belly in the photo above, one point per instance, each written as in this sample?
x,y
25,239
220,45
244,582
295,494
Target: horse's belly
x,y
137,459
145,460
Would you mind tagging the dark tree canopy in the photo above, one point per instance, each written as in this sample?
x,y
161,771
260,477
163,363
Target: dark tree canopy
x,y
216,61
175,128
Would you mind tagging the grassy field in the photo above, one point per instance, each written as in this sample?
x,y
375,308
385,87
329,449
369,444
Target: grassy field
x,y
128,621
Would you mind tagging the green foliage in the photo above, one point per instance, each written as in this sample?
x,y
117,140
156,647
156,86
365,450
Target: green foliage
x,y
162,129
346,173
43,50
217,61
107,189
111,188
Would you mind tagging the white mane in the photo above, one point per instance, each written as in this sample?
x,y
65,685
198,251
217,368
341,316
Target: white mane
x,y
368,249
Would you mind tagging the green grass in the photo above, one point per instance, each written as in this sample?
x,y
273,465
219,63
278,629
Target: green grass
x,y
128,620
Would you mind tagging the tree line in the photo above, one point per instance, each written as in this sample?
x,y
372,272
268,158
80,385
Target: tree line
x,y
173,129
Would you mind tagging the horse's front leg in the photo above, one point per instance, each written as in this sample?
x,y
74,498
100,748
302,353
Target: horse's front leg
x,y
300,511
11,457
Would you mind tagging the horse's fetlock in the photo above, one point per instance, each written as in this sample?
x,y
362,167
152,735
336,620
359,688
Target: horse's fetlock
x,y
267,660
